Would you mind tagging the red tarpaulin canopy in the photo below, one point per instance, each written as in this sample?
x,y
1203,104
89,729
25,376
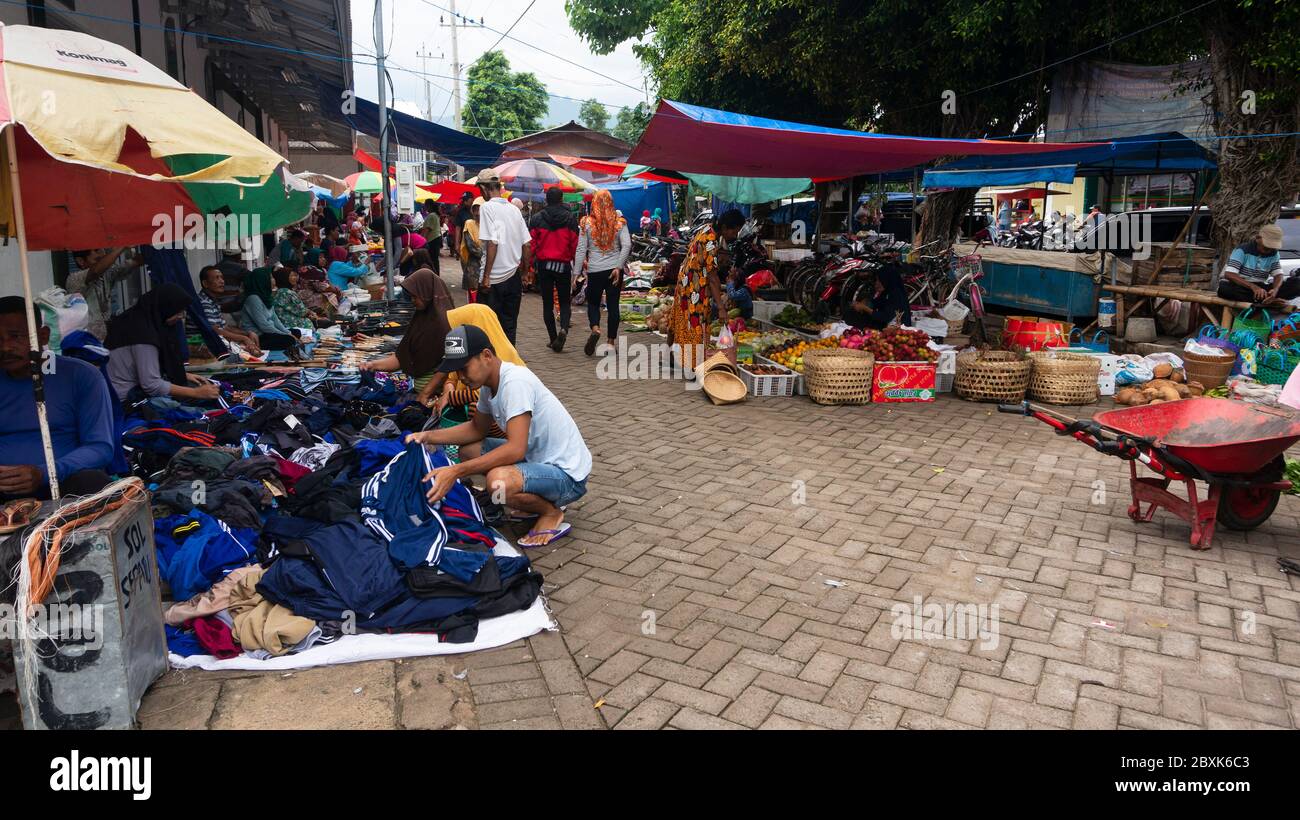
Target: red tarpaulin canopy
x,y
1031,193
596,166
695,140
451,191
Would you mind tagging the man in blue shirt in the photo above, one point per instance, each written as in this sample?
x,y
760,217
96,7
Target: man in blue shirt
x,y
77,405
1253,272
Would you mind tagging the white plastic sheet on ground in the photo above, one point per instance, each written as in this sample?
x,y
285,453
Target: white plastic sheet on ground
x,y
492,632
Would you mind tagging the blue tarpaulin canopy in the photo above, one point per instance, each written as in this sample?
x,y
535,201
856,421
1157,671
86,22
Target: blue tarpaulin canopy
x,y
634,196
457,146
697,140
1147,154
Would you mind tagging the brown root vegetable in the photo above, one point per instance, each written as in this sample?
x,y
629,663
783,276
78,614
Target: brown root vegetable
x,y
1179,376
1163,370
1196,388
1150,393
1184,392
1156,401
1168,392
1125,395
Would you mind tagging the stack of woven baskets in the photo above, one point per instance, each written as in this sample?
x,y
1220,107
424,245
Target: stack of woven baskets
x,y
721,380
838,375
992,375
1210,371
1063,378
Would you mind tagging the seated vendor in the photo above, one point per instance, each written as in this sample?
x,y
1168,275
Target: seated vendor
x,y
212,289
420,352
288,305
887,305
1253,273
146,356
542,464
77,405
341,274
259,318
738,293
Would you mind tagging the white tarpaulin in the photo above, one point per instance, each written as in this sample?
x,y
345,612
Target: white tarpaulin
x,y
492,632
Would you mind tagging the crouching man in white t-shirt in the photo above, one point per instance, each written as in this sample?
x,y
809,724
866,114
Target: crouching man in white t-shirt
x,y
542,464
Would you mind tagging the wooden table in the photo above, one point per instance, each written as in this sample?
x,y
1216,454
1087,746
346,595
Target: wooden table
x,y
1219,311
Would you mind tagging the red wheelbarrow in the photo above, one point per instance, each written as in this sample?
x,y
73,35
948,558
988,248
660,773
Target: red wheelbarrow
x,y
1234,447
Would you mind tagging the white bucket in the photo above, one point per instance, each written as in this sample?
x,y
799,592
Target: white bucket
x,y
1105,312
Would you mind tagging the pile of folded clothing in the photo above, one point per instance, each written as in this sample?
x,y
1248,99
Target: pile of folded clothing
x,y
298,514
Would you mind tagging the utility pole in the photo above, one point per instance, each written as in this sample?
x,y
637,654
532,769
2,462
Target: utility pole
x,y
385,194
457,22
425,56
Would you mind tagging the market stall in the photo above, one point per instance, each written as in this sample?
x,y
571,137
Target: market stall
x,y
274,563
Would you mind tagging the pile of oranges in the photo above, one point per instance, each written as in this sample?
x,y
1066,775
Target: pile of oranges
x,y
790,354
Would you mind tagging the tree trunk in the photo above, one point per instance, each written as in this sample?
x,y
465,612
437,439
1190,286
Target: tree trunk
x,y
1256,176
941,217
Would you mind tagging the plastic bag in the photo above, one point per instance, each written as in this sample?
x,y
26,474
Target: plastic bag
x,y
1290,395
954,311
1154,359
1201,349
63,313
1132,372
932,327
725,339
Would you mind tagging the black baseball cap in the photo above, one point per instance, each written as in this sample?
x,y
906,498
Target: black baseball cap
x,y
461,345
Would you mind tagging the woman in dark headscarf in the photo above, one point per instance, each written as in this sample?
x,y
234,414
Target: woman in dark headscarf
x,y
258,316
145,355
887,305
420,351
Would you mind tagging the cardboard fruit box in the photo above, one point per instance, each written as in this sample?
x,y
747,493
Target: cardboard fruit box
x,y
903,381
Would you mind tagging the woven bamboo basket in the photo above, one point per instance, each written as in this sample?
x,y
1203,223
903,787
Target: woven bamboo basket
x,y
839,376
992,375
1063,378
955,327
1211,371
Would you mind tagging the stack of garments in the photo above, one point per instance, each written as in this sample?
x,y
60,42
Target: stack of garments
x,y
301,515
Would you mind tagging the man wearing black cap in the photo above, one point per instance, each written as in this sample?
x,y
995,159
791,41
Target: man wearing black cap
x,y
540,466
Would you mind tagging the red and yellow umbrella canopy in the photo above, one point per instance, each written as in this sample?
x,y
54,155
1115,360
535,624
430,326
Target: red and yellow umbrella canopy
x,y
113,151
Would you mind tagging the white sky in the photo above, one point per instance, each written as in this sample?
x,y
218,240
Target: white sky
x,y
411,26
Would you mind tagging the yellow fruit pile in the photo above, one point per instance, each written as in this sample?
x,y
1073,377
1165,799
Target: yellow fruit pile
x,y
792,356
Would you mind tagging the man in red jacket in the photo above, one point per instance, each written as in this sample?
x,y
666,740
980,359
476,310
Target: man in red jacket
x,y
554,234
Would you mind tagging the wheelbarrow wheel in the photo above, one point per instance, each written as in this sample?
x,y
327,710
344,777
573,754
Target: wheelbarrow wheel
x,y
1245,508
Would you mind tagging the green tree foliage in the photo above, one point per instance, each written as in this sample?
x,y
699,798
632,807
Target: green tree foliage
x,y
631,122
502,104
605,24
885,65
594,116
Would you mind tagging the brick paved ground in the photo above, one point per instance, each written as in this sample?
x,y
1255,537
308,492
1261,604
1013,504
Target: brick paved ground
x,y
693,592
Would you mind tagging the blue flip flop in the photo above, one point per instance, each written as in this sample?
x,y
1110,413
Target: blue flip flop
x,y
555,534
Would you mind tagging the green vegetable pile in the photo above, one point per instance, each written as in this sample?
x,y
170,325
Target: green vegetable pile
x,y
1293,475
793,316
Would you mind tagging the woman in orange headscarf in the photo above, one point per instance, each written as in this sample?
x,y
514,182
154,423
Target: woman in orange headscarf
x,y
604,244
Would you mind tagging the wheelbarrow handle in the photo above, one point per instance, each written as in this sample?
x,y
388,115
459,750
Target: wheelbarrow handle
x,y
1021,409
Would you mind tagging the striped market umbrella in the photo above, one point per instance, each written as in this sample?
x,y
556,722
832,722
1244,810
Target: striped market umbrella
x,y
367,182
103,149
529,178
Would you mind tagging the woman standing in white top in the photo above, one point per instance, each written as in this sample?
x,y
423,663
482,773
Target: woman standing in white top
x,y
604,245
